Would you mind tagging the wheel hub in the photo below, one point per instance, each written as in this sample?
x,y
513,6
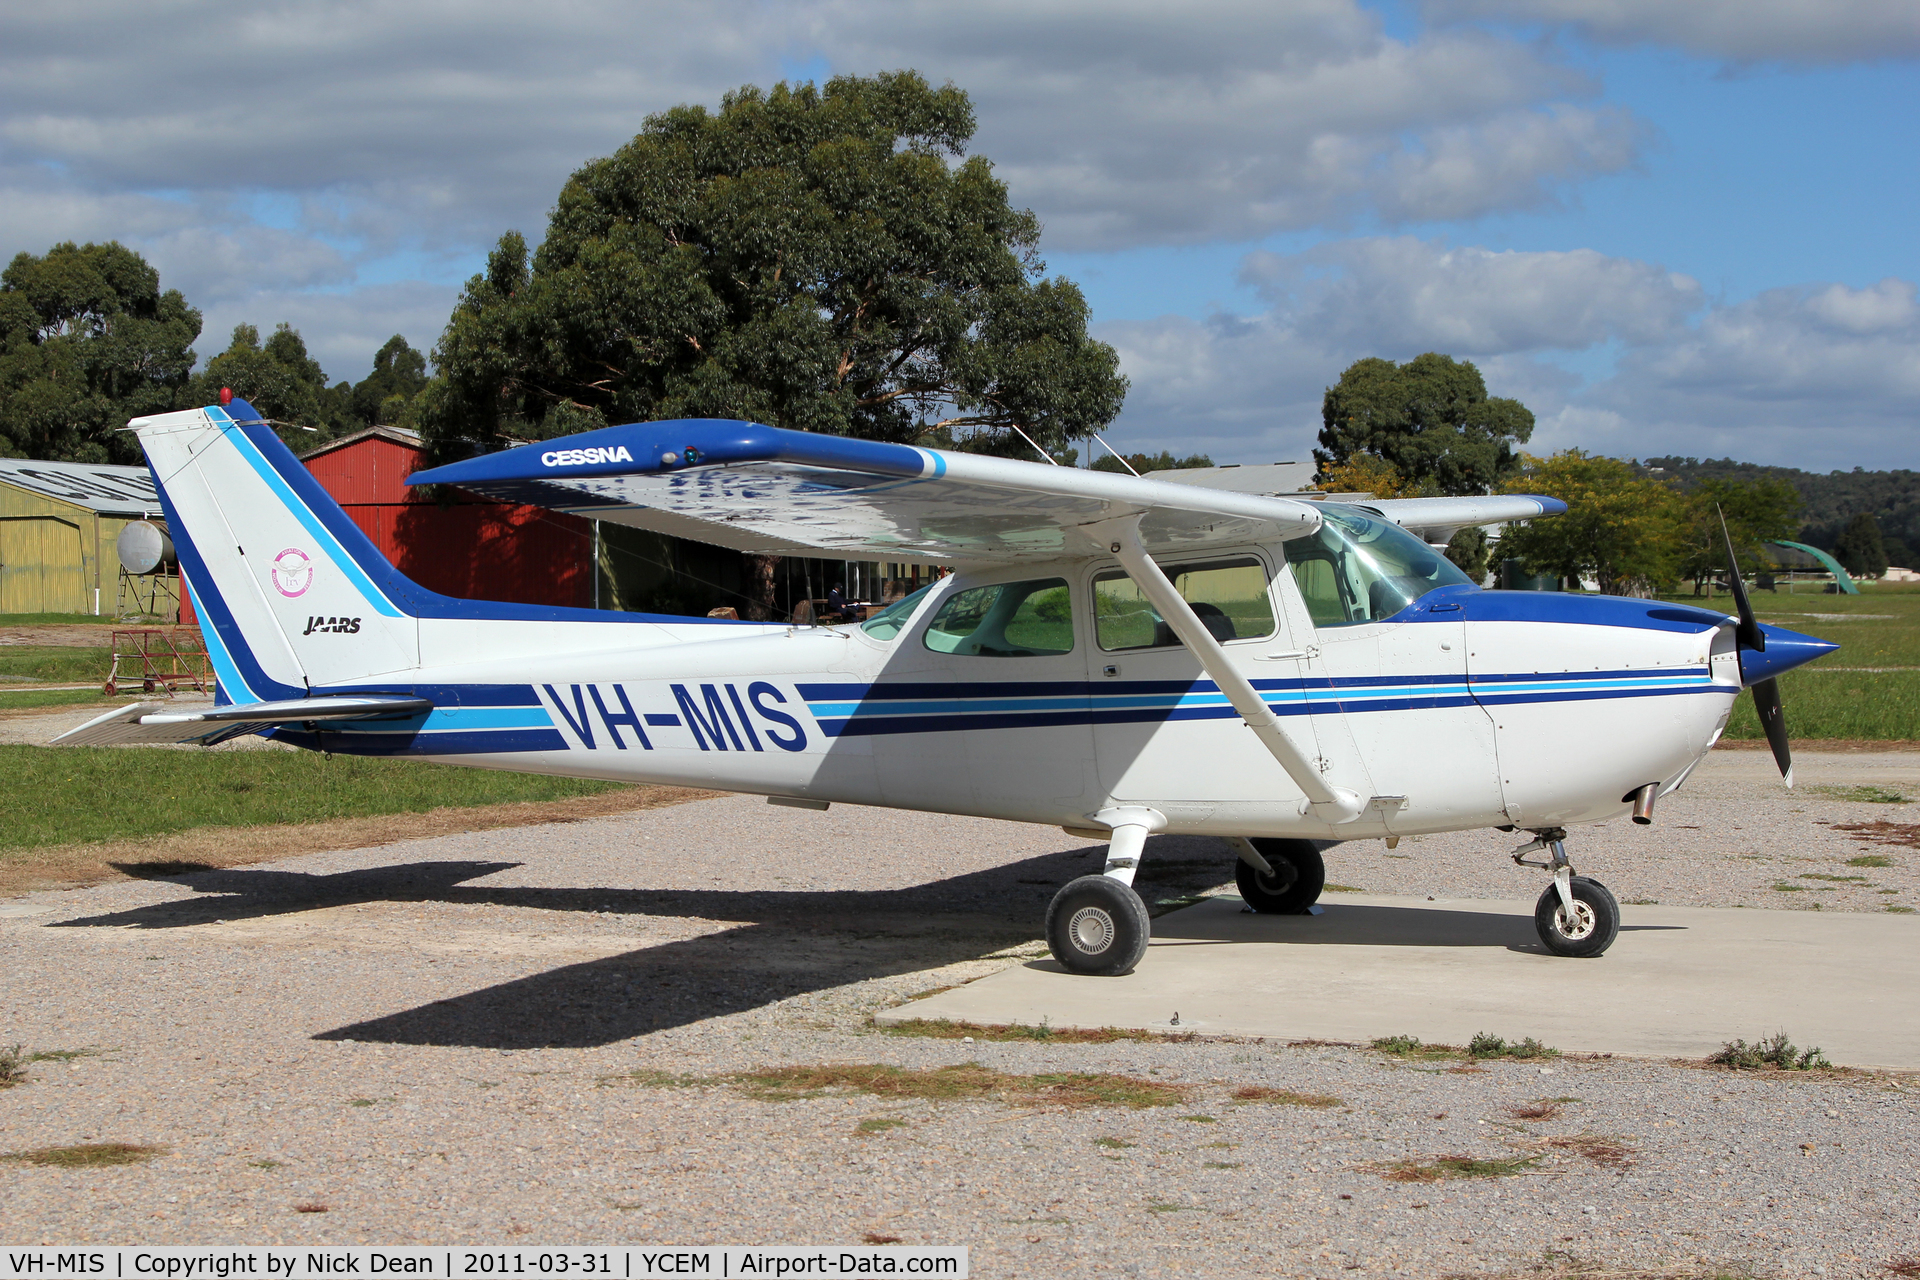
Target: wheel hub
x,y
1580,926
1092,930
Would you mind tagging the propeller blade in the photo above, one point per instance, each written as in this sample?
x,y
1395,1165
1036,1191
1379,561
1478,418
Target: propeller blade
x,y
1766,703
1749,635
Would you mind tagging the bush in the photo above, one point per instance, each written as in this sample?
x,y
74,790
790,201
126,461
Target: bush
x,y
1776,1053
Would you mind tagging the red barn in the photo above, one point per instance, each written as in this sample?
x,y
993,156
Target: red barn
x,y
476,548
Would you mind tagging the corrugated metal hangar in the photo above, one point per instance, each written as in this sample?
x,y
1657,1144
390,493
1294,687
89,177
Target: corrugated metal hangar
x,y
59,523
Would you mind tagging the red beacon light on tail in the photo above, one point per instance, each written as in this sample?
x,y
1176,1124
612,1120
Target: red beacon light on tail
x,y
226,396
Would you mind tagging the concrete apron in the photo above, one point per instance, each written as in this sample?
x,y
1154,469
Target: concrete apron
x,y
1679,981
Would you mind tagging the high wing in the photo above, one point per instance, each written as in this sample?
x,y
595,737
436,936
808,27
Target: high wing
x,y
772,491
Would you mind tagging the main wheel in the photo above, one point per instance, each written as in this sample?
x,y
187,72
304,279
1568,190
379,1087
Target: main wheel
x,y
1097,925
1594,925
1298,875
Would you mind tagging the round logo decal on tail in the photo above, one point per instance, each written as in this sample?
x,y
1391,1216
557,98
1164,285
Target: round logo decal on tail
x,y
292,572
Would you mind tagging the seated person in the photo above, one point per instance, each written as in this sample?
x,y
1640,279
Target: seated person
x,y
838,610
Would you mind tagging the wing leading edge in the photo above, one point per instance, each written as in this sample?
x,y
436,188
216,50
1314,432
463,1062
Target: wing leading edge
x,y
772,491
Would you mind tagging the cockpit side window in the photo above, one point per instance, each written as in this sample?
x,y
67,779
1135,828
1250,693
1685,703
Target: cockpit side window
x,y
886,624
1358,568
1230,596
1006,620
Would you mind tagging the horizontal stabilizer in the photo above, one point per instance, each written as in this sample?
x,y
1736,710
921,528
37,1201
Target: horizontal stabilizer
x,y
149,723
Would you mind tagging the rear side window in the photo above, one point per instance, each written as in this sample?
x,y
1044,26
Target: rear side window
x,y
1007,620
1230,596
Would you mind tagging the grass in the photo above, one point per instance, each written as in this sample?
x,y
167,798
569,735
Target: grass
x,y
1878,706
1904,835
59,663
1608,1153
880,1124
31,699
1863,795
1775,1053
1870,860
80,795
1113,1144
947,1029
968,1081
88,1155
1285,1097
1444,1168
13,1066
1821,875
55,619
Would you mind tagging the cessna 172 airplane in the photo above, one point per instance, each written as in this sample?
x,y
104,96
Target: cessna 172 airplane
x,y
1115,655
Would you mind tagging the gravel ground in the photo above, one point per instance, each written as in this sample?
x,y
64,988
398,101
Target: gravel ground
x,y
436,1041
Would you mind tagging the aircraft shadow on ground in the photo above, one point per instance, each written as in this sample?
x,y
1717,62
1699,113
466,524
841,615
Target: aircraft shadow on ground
x,y
1367,925
784,943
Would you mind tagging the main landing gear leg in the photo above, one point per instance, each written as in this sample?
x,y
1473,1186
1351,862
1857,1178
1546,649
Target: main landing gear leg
x,y
1098,924
1576,916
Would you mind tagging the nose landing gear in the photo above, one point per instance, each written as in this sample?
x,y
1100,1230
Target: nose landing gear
x,y
1577,915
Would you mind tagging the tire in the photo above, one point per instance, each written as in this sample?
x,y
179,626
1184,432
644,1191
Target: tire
x,y
1097,925
1299,876
1598,924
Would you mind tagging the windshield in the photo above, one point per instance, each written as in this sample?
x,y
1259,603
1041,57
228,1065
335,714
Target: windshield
x,y
886,624
1360,569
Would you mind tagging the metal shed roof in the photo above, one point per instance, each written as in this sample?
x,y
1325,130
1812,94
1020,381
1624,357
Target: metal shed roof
x,y
99,487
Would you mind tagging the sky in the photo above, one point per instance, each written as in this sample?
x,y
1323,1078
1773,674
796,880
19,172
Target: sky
x,y
1667,228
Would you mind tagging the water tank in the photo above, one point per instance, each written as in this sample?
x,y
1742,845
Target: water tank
x,y
144,547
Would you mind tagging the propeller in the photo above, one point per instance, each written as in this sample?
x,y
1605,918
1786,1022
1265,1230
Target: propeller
x,y
1749,636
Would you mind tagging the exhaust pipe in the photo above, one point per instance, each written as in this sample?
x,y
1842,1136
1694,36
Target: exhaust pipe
x,y
1643,803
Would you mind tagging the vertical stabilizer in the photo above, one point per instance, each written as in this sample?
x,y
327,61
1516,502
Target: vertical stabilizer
x,y
291,594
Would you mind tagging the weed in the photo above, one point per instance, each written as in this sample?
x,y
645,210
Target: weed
x,y
87,1155
1899,834
1342,888
1484,1045
1116,1144
1441,1168
63,1055
1403,1046
1544,1109
1285,1097
1159,1207
266,1164
1781,886
13,1066
946,1029
1906,1266
1221,1164
1864,795
646,1076
874,1237
1776,1053
880,1124
966,1081
367,1102
1870,860
1821,875
311,1206
1201,1119
1899,910
1609,1153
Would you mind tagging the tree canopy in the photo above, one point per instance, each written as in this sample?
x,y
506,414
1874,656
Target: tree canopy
x,y
1431,418
823,259
1145,462
1860,549
87,341
287,385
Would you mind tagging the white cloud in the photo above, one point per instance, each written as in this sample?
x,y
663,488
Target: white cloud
x,y
1414,295
1820,376
1808,32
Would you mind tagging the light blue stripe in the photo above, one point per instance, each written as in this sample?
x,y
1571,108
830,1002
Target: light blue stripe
x,y
457,719
347,564
224,669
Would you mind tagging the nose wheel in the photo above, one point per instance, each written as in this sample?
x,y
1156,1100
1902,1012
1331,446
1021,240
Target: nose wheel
x,y
1577,915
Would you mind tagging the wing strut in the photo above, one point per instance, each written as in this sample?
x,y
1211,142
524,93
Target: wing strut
x,y
1332,805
